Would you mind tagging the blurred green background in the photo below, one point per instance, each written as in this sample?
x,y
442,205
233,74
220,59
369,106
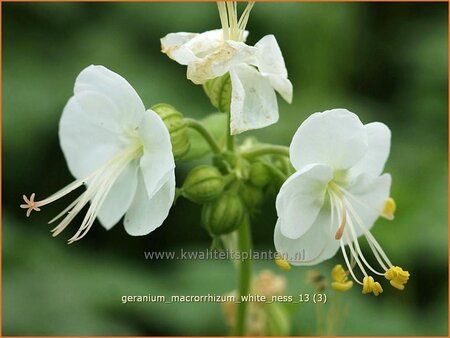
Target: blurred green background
x,y
386,62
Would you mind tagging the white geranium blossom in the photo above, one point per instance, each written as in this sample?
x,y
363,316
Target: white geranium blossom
x,y
120,151
337,194
255,72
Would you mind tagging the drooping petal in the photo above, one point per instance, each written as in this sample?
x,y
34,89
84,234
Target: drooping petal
x,y
253,101
379,139
228,55
157,161
301,198
314,246
119,197
175,46
146,214
270,63
336,137
367,195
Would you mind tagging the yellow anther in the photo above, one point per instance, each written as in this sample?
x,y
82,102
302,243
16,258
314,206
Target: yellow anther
x,y
397,277
342,286
282,264
370,286
389,209
340,279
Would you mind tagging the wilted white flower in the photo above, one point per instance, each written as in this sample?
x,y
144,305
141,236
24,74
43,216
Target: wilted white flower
x,y
119,150
336,195
255,72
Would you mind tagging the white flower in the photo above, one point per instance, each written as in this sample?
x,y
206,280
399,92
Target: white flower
x,y
336,194
120,150
256,72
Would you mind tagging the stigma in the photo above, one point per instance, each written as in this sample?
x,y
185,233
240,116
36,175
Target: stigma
x,y
232,27
99,184
349,223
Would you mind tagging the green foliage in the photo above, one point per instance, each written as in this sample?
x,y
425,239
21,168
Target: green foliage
x,y
216,124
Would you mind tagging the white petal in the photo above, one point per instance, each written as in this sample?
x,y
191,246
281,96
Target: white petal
x,y
88,138
253,100
98,79
175,46
315,246
146,214
220,61
282,85
368,195
119,197
95,119
301,197
336,137
379,138
157,161
270,63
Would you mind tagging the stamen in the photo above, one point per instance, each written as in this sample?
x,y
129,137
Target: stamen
x,y
354,254
370,286
397,277
340,277
233,29
344,253
282,264
244,19
389,209
372,241
100,183
358,248
223,19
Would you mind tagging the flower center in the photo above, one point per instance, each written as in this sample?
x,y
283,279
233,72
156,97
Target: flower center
x,y
341,202
233,28
99,184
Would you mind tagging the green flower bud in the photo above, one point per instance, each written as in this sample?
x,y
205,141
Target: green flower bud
x,y
176,125
259,174
219,92
252,196
203,184
223,215
225,161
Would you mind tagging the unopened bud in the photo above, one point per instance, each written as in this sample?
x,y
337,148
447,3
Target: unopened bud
x,y
176,125
259,174
203,184
223,215
219,92
252,196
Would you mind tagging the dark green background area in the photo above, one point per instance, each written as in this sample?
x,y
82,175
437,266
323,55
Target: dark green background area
x,y
385,62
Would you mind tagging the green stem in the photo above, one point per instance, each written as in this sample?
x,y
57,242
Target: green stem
x,y
200,128
245,272
266,149
230,138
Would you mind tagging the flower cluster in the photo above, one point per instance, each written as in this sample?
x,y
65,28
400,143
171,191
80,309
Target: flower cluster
x,y
124,154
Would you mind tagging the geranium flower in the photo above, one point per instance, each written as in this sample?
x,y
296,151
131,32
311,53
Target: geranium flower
x,y
255,72
336,195
119,150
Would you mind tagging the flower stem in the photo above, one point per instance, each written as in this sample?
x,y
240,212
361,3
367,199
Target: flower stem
x,y
245,272
230,138
266,149
200,128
